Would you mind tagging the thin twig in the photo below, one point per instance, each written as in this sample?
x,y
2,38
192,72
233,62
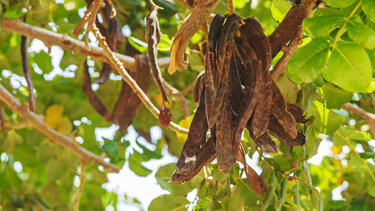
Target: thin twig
x,y
50,38
77,197
42,127
288,53
369,117
230,6
17,126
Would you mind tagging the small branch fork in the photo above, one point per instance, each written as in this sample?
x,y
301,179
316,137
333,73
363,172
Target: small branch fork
x,y
116,63
42,127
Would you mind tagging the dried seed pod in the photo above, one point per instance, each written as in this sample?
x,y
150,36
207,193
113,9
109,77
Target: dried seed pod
x,y
253,178
196,137
211,63
223,62
279,109
297,113
277,130
205,155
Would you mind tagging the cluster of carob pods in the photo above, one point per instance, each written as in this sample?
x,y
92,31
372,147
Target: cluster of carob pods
x,y
235,92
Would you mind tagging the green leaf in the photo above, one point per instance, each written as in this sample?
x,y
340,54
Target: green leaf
x,y
345,132
368,7
349,67
43,60
282,194
53,170
308,61
138,44
279,9
360,33
163,176
99,176
326,121
168,202
135,165
315,28
334,97
316,199
11,141
367,155
112,149
339,3
149,154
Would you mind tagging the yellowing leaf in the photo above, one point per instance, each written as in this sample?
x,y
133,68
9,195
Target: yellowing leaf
x,y
54,115
65,126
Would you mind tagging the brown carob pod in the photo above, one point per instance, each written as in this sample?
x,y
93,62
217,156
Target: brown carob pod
x,y
196,137
277,130
205,155
279,110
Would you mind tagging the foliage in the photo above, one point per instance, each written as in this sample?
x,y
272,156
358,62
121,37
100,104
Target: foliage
x,y
333,66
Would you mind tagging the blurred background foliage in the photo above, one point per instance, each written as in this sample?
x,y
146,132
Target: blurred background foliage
x,y
333,66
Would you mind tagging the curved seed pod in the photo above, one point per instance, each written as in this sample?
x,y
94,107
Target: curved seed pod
x,y
211,63
279,109
297,113
262,111
225,153
253,32
253,178
248,78
205,155
277,130
228,31
196,137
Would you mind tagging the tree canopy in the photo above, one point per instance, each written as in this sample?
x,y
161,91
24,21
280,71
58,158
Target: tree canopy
x,y
140,63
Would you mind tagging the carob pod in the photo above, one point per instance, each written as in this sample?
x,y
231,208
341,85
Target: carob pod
x,y
280,111
153,38
211,63
223,115
196,137
277,130
127,103
94,99
253,178
244,55
204,156
252,33
224,53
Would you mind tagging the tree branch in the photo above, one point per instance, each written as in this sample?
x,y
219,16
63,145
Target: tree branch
x,y
77,197
288,53
50,38
53,135
369,117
